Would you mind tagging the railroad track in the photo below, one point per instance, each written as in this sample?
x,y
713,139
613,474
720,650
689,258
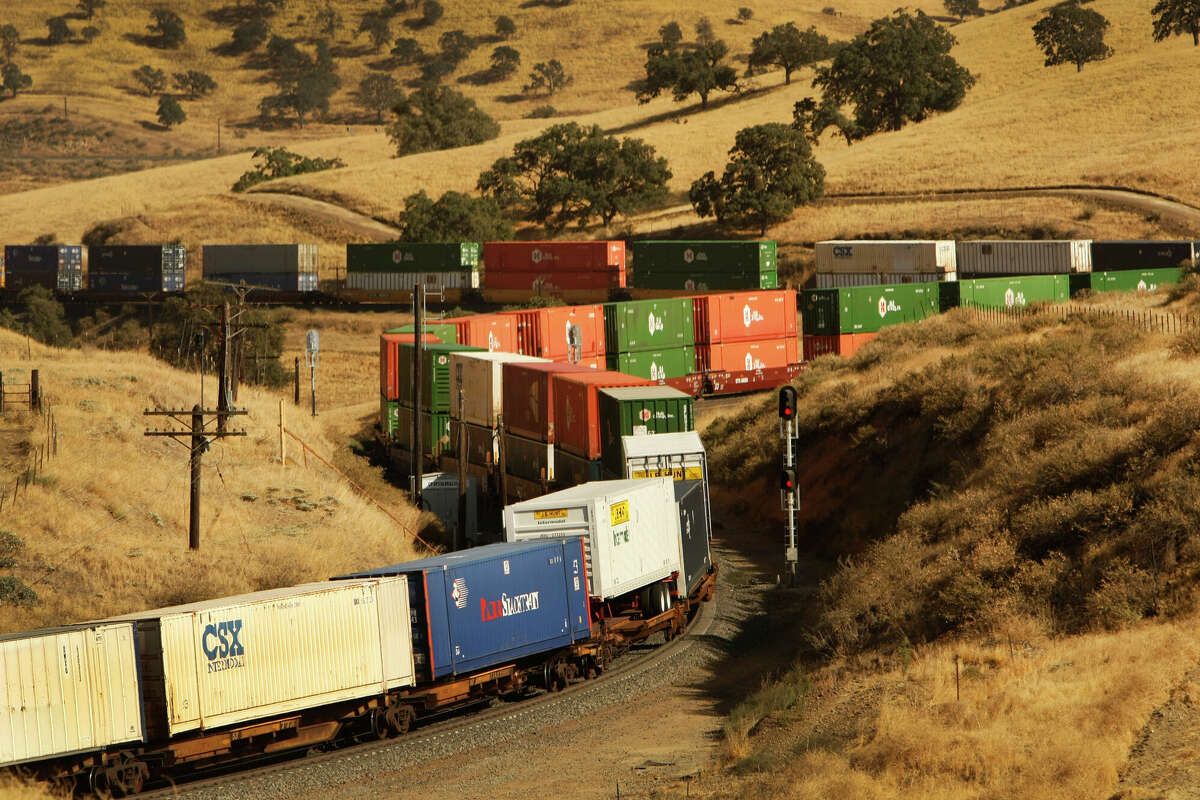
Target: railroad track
x,y
629,665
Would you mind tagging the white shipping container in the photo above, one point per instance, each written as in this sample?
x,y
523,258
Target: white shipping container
x,y
908,255
1002,257
838,280
407,281
279,651
630,530
481,374
68,690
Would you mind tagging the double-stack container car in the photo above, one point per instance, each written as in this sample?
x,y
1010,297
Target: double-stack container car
x,y
56,267
553,268
281,267
704,265
142,268
744,331
653,339
392,271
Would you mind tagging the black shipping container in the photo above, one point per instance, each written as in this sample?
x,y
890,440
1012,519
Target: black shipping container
x,y
693,531
1145,254
137,268
572,470
51,266
528,459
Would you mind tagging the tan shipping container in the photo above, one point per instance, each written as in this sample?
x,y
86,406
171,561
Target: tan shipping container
x,y
1035,257
275,652
68,690
885,257
482,385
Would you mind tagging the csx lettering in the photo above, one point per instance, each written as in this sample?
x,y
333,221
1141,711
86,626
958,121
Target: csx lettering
x,y
221,640
843,252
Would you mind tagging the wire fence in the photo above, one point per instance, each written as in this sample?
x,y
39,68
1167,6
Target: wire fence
x,y
1148,320
37,457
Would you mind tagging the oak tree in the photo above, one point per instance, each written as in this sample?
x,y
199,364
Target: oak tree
x,y
789,48
1069,34
1176,17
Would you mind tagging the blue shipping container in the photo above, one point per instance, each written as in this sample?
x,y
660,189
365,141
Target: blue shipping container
x,y
490,605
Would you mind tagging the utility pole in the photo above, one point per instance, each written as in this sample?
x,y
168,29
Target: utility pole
x,y
418,456
198,441
787,430
223,371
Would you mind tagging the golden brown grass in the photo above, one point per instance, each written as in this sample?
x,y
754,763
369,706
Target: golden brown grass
x,y
106,527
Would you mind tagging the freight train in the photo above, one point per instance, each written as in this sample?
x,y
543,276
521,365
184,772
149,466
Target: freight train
x,y
160,694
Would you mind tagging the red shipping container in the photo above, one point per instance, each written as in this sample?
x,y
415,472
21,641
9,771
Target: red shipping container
x,y
735,356
744,316
529,398
544,332
553,256
389,355
846,344
577,408
547,282
496,332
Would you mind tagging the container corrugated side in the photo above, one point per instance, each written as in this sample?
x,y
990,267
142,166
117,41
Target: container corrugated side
x,y
1015,292
655,365
275,652
836,280
435,430
68,690
748,356
1134,280
408,281
744,316
410,257
703,258
1040,257
561,333
493,332
886,256
630,529
1144,254
529,397
648,325
265,259
640,411
572,470
554,257
866,309
481,399
528,459
576,423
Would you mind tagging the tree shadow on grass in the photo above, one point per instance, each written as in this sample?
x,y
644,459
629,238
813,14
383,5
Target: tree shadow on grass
x,y
682,114
232,15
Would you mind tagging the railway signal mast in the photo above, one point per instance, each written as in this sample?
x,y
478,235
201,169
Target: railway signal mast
x,y
787,482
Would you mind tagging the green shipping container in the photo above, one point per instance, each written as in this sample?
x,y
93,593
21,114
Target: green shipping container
x,y
635,410
655,365
1135,280
1015,292
412,257
446,331
648,324
435,374
435,431
703,257
388,421
866,309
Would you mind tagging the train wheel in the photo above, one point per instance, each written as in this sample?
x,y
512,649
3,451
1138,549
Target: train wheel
x,y
400,719
126,776
380,725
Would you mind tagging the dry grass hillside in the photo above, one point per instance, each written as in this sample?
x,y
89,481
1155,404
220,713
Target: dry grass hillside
x,y
104,526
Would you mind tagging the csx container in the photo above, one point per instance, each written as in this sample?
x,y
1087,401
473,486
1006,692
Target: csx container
x,y
286,267
630,530
1003,257
1146,254
744,316
482,398
51,266
640,411
529,397
494,332
389,365
68,690
1134,280
412,257
137,268
1014,292
886,257
655,365
561,333
866,309
225,661
491,605
577,408
434,393
704,265
648,325
748,356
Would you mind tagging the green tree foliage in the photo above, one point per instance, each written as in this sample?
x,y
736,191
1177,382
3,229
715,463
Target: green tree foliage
x,y
505,61
455,46
439,118
789,48
963,8
899,71
168,27
572,174
377,27
276,162
1069,34
329,21
435,70
505,27
13,79
10,40
431,12
453,217
1176,17
170,113
249,35
42,317
378,92
548,76
745,14
771,170
704,31
687,71
305,82
194,83
407,50
90,33
670,34
90,7
813,120
57,30
152,80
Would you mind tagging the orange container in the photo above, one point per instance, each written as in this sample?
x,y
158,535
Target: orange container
x,y
389,355
748,356
744,316
545,332
496,332
577,408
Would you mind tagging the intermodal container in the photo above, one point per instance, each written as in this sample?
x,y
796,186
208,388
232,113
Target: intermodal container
x,y
445,332
703,258
68,690
389,365
840,344
494,332
561,333
1039,257
1134,280
529,459
435,430
572,470
1147,254
1014,292
577,408
819,312
694,556
886,257
231,660
744,316
482,400
835,280
748,356
710,282
640,411
435,374
648,325
553,257
137,268
413,257
483,443
408,281
278,281
655,365
547,283
491,605
50,266
258,259
529,397
630,530
865,309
